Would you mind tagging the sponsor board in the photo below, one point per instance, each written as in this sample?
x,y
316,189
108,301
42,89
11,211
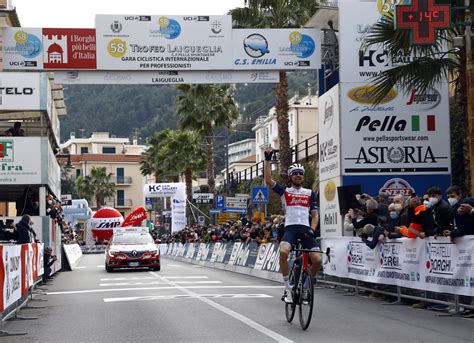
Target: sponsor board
x,y
49,48
276,49
428,264
164,77
155,42
329,135
412,137
22,91
20,160
330,218
358,63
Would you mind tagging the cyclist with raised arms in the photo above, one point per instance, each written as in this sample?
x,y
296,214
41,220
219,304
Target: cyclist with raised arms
x,y
299,204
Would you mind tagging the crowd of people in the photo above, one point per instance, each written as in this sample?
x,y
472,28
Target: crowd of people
x,y
376,218
232,231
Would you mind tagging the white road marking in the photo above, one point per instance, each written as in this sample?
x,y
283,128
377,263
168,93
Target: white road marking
x,y
153,278
154,283
155,288
172,265
101,266
272,334
80,268
185,296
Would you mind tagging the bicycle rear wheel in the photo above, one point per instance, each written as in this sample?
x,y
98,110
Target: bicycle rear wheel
x,y
290,309
306,299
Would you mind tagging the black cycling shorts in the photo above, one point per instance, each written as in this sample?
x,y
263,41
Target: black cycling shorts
x,y
295,232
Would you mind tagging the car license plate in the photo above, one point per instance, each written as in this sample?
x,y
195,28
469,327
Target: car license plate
x,y
133,264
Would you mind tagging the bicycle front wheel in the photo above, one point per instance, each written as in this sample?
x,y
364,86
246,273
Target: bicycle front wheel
x,y
306,299
290,309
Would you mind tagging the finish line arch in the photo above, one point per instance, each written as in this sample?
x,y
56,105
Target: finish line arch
x,y
177,193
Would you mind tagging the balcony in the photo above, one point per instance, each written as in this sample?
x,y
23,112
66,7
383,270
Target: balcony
x,y
122,180
115,203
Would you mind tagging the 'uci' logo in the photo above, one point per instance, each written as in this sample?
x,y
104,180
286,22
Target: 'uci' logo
x,y
6,151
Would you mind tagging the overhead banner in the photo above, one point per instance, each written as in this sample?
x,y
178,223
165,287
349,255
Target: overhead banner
x,y
151,42
49,48
276,49
164,77
428,264
177,192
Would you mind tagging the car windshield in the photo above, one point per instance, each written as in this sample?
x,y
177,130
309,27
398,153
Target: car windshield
x,y
129,238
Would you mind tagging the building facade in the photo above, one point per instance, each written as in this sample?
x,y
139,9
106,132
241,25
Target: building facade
x,y
303,117
119,157
241,149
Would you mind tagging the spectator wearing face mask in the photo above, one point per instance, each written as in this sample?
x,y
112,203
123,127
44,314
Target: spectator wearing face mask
x,y
462,220
421,221
441,210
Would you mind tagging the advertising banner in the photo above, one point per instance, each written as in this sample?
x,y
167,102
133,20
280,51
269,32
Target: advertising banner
x,y
22,91
431,264
276,49
406,133
329,135
268,257
49,48
145,42
73,254
11,257
359,64
20,160
330,218
166,77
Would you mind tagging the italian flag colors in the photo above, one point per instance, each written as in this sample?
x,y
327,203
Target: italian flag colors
x,y
419,123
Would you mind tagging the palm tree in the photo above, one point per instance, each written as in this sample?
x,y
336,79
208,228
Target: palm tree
x,y
430,66
203,108
97,184
177,153
277,14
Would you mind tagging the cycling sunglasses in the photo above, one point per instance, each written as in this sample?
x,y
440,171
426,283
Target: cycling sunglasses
x,y
297,172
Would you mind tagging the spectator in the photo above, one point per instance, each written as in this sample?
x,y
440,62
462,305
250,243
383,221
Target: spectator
x,y
24,231
421,221
15,131
441,210
48,262
461,213
371,218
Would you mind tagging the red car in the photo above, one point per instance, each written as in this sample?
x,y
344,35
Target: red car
x,y
132,247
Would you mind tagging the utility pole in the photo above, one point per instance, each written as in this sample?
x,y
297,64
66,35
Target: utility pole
x,y
227,188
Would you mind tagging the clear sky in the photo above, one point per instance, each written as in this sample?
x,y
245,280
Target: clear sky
x,y
81,13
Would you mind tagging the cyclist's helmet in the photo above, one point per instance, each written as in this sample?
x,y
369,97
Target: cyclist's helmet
x,y
295,167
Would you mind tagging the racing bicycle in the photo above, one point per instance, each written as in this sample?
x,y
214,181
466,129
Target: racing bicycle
x,y
303,286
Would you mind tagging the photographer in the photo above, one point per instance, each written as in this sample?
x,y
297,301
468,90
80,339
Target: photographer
x,y
49,260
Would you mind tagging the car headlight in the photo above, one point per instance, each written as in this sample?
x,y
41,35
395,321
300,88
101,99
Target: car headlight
x,y
113,253
153,252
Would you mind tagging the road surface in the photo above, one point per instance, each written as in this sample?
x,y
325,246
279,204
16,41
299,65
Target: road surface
x,y
189,303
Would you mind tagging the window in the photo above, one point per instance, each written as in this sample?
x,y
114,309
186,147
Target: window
x,y
108,150
291,119
84,150
78,172
120,197
120,175
271,128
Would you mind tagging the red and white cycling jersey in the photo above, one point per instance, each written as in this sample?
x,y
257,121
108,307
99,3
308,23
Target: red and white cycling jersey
x,y
298,204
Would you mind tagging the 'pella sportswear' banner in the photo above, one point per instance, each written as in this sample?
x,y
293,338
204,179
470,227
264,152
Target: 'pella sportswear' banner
x,y
428,264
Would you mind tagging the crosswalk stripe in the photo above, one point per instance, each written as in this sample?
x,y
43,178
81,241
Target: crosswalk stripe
x,y
152,278
186,296
155,283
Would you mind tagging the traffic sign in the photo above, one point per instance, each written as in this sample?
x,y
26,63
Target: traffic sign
x,y
235,202
260,195
220,201
203,198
